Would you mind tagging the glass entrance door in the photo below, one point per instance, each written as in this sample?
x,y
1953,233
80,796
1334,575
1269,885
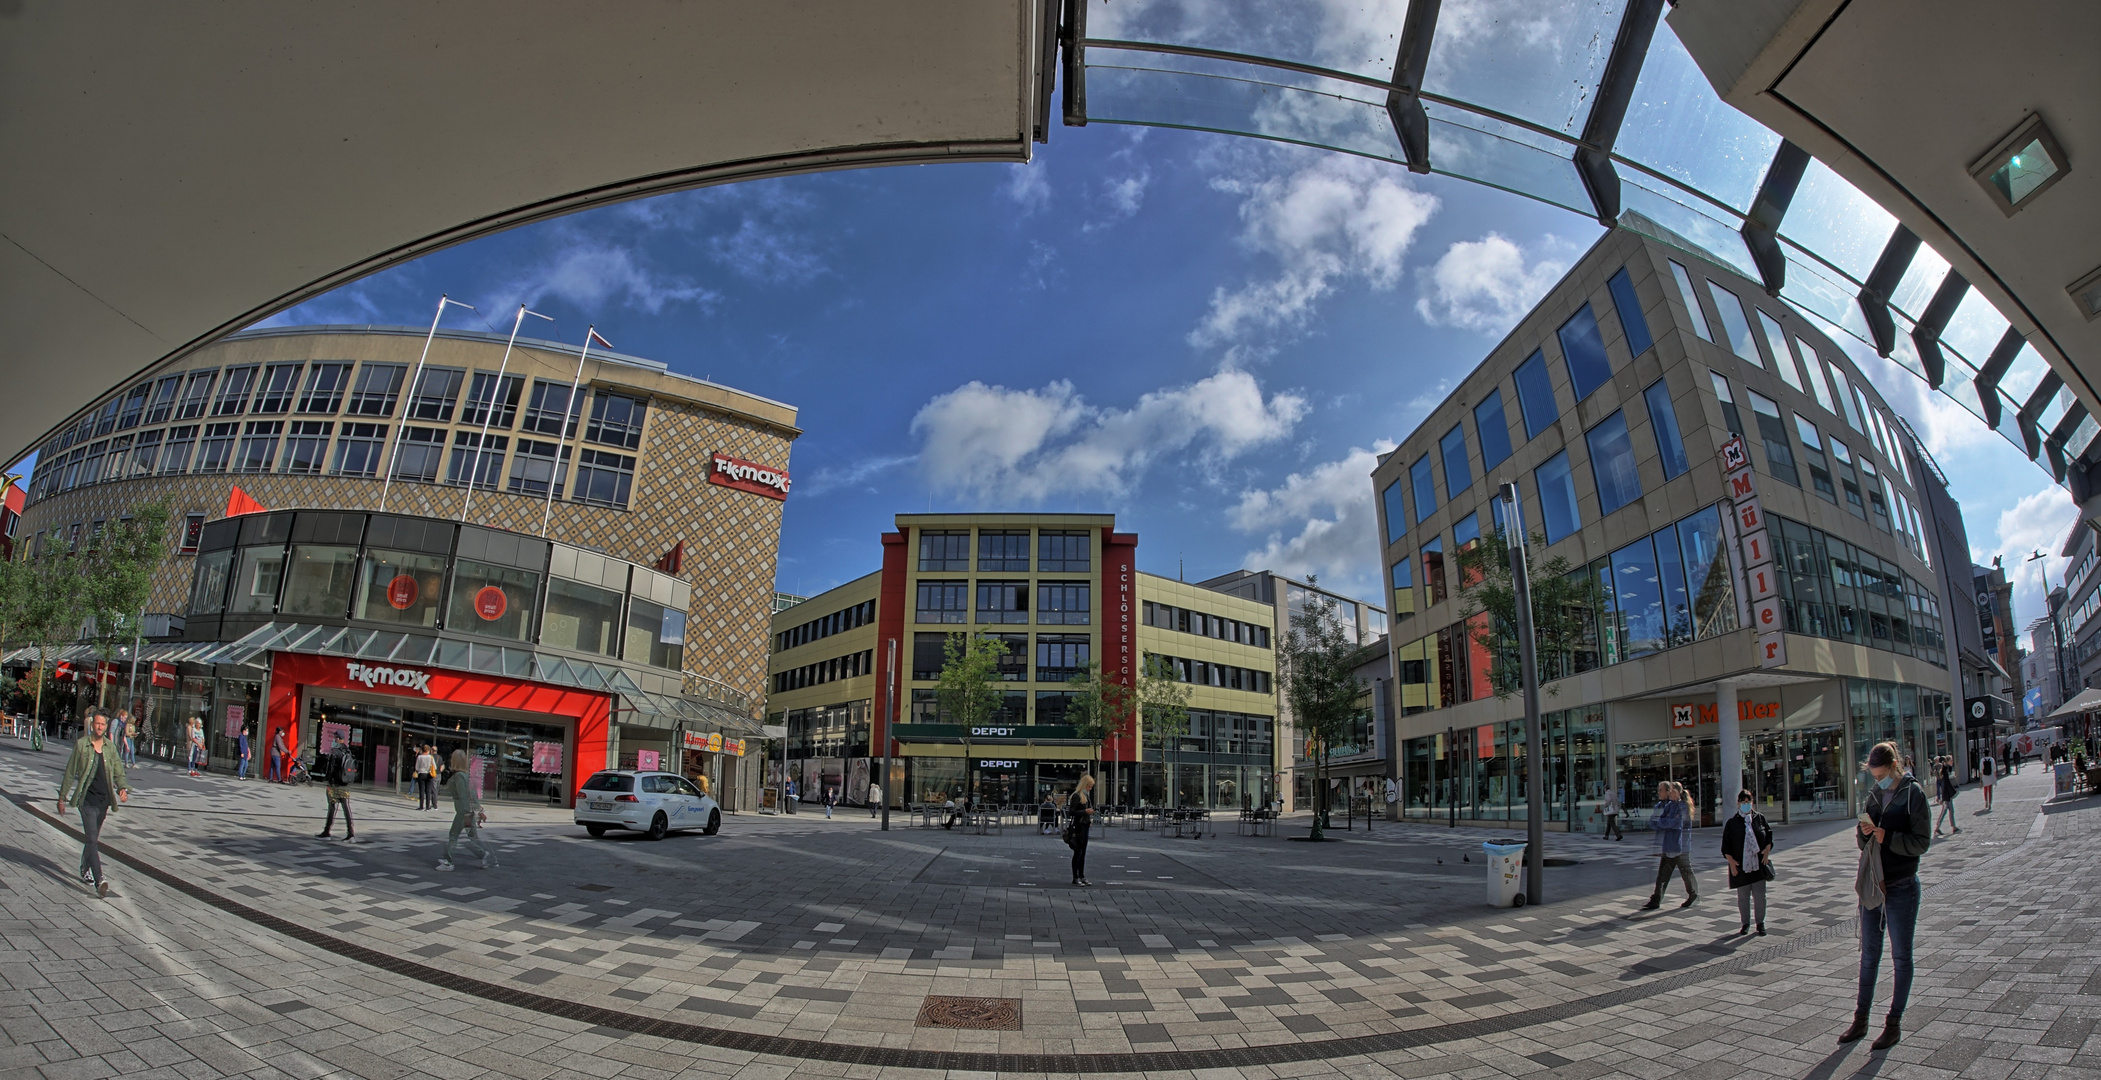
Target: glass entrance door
x,y
1765,773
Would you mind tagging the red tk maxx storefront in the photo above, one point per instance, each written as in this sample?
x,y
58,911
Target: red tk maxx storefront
x,y
525,740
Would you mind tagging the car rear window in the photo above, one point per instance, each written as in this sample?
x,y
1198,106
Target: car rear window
x,y
606,781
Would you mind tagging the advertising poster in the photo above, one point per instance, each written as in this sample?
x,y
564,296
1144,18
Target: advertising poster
x,y
547,758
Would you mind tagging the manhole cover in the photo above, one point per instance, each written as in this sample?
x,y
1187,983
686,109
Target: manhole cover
x,y
974,1013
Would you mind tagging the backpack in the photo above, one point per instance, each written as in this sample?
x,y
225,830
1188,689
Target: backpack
x,y
1987,766
342,769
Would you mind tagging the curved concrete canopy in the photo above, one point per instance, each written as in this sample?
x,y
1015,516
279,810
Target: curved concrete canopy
x,y
176,171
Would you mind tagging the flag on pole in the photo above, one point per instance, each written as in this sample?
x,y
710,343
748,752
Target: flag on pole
x,y
593,335
239,502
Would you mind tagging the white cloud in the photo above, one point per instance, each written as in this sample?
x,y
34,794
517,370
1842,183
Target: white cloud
x,y
592,275
1319,522
1485,285
2038,522
1336,218
756,231
1029,186
860,473
1027,445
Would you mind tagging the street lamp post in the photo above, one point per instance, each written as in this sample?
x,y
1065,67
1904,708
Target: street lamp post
x,y
1528,671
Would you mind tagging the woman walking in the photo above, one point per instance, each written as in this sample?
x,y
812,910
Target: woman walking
x,y
94,782
1611,809
1081,807
1944,783
1673,828
1747,842
467,815
1893,834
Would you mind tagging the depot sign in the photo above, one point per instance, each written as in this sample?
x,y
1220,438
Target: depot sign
x,y
1685,716
749,476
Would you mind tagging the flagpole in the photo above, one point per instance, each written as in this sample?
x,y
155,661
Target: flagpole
x,y
415,382
489,413
575,407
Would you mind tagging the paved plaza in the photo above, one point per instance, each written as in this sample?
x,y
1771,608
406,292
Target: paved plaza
x,y
235,943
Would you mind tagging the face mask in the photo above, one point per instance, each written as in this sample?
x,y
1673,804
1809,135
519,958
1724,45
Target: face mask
x,y
1744,809
1887,782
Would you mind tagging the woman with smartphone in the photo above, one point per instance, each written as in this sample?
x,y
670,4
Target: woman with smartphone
x,y
1894,831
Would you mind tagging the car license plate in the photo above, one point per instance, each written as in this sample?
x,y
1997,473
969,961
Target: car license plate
x,y
601,806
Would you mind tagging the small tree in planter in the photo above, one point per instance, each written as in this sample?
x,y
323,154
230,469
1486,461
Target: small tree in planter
x,y
969,692
1321,685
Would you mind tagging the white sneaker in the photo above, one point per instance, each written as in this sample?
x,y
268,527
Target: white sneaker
x,y
444,866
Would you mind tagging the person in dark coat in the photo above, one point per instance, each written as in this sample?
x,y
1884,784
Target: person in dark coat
x,y
1748,861
1894,832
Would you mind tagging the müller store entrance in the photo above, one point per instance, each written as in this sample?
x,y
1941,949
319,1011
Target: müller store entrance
x,y
523,739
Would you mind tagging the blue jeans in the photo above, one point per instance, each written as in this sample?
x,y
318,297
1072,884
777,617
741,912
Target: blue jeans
x,y
1899,913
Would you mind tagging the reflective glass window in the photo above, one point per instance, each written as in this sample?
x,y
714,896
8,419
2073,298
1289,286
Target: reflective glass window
x,y
1812,371
1403,575
1535,395
378,389
134,407
944,550
475,460
1772,432
493,601
319,579
1003,551
1452,449
1813,457
1063,552
1425,488
1612,463
279,384
604,478
234,390
1722,394
437,393
306,446
358,449
1776,344
400,587
1584,350
1396,513
1734,324
1707,573
581,617
325,384
1632,323
208,582
490,404
616,420
255,583
420,454
1557,498
656,635
1492,430
1637,591
1692,302
1663,420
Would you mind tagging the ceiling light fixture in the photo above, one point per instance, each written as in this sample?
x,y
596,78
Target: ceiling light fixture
x,y
2021,166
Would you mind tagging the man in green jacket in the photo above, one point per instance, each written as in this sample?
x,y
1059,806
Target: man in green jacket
x,y
94,781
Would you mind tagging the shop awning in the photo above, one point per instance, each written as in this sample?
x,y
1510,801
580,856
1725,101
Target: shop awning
x,y
166,652
2087,701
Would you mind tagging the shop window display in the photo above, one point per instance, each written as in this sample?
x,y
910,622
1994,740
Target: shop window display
x,y
318,580
656,635
401,588
492,601
255,585
581,617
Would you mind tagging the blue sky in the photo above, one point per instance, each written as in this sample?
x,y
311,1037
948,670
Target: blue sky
x,y
1209,336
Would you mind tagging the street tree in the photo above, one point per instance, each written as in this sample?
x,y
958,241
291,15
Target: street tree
x,y
1163,700
117,579
1099,710
48,604
969,692
1321,685
1565,604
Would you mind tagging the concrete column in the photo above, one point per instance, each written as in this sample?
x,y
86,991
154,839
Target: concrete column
x,y
1732,756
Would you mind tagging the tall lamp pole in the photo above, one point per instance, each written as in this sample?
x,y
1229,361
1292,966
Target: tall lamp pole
x,y
889,719
1528,670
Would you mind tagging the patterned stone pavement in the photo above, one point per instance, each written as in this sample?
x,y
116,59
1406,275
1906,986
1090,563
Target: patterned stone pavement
x,y
830,935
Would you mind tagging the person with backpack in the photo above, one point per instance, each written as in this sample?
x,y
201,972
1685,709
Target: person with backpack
x,y
339,769
1985,771
1893,835
1945,784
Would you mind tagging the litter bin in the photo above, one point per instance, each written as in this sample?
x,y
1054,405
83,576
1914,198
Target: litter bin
x,y
1506,872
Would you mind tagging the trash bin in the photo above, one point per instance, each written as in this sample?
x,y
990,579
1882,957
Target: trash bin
x,y
1506,872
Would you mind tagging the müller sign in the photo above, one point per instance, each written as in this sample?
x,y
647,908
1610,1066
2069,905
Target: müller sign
x,y
749,476
408,678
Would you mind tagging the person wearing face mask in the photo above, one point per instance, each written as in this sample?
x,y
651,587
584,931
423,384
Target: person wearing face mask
x,y
1747,842
1672,826
1895,830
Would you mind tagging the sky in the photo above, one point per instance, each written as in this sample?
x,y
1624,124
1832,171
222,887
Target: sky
x,y
1209,336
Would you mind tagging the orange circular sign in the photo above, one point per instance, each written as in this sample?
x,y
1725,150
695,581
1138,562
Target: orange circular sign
x,y
401,592
490,603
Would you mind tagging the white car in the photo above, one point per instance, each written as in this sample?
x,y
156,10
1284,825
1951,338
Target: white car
x,y
651,803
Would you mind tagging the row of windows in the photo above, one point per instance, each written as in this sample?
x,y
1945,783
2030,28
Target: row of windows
x,y
221,445
1169,617
303,448
824,671
1059,657
1057,603
1223,676
838,622
1832,589
828,731
425,591
1215,732
1005,551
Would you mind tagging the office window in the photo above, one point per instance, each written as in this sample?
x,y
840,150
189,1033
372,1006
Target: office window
x,y
1003,601
616,420
1434,586
1003,551
533,467
1425,488
549,405
1557,497
1878,493
1813,374
359,448
943,602
1584,350
1062,552
1612,463
91,466
164,394
1628,305
1535,395
259,446
1848,482
1779,455
604,478
944,550
234,390
475,462
1066,603
1060,657
437,393
1492,430
1843,391
278,386
1663,420
1776,344
1692,302
1396,513
419,454
1730,416
134,407
1813,456
216,451
146,455
1452,449
1735,325
378,389
482,391
324,389
106,417
175,455
1403,578
306,446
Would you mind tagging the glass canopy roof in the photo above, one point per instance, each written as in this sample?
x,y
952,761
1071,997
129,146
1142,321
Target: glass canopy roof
x,y
1593,106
